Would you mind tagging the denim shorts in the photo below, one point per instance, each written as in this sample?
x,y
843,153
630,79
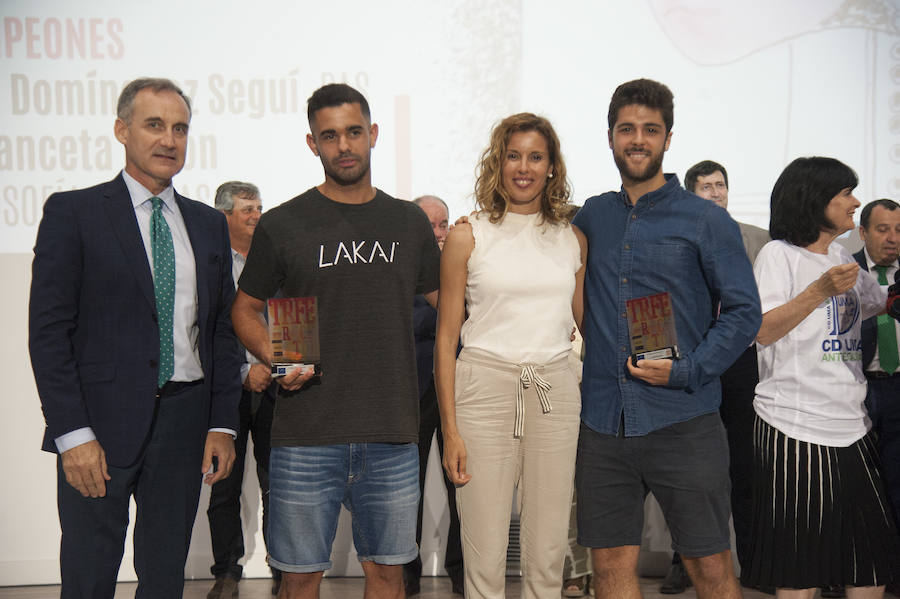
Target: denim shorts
x,y
684,465
377,482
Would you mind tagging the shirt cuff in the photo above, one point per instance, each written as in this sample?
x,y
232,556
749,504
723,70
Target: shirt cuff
x,y
79,436
680,375
231,432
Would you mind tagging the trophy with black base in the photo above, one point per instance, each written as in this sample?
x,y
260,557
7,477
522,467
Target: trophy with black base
x,y
651,326
294,334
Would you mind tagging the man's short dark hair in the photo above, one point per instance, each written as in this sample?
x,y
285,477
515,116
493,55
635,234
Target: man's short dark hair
x,y
229,190
644,92
335,94
703,169
125,106
800,195
866,213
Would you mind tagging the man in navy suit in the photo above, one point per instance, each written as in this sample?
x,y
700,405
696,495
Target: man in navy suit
x,y
135,360
879,229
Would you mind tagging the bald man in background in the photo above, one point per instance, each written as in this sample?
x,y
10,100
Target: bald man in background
x,y
424,323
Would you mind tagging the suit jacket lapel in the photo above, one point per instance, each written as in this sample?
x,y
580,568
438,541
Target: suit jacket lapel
x,y
201,255
120,212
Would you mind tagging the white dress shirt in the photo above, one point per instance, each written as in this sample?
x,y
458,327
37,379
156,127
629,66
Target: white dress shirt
x,y
238,260
875,365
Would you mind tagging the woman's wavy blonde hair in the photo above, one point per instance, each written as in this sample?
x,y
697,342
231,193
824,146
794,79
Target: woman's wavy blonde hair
x,y
492,198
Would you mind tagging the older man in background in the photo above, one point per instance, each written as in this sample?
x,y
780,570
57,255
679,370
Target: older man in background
x,y
241,204
424,324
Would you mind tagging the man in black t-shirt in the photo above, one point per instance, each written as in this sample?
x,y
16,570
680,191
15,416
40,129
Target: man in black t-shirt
x,y
348,436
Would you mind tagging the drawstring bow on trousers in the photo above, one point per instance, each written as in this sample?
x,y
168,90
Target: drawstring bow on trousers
x,y
527,378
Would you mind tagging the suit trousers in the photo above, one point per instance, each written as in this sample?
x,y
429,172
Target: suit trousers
x,y
165,482
224,512
738,390
540,463
429,424
883,404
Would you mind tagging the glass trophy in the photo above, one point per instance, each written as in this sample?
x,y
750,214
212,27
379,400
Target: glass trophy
x,y
294,334
651,327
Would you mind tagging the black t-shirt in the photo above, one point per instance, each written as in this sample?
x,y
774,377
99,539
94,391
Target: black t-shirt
x,y
364,263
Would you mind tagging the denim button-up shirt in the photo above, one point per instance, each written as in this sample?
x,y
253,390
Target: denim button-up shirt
x,y
672,241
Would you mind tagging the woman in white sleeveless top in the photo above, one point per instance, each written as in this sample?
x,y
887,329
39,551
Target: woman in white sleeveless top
x,y
510,404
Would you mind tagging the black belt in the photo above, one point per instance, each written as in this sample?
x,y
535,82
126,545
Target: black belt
x,y
173,387
879,374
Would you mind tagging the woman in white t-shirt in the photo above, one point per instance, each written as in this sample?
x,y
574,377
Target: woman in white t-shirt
x,y
821,513
510,404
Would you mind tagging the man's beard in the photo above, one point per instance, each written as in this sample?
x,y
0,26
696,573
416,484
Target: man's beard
x,y
650,170
346,177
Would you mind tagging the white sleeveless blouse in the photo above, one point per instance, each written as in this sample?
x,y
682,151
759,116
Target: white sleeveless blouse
x,y
521,278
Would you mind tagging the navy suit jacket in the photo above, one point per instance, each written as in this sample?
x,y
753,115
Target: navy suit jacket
x,y
869,325
424,325
93,332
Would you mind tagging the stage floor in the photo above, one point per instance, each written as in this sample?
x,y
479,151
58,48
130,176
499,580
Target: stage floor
x,y
332,588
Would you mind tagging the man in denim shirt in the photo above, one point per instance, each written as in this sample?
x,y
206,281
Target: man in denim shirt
x,y
655,426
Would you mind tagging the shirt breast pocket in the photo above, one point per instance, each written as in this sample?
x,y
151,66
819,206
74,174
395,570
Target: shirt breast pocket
x,y
671,260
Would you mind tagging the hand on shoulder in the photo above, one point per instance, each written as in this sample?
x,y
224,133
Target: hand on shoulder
x,y
464,219
460,236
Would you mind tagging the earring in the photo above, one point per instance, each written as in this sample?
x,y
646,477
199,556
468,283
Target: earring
x,y
549,175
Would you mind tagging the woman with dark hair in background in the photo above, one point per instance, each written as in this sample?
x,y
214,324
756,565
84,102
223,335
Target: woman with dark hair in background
x,y
510,404
821,514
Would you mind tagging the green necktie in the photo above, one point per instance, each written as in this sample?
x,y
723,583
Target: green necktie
x,y
887,333
164,287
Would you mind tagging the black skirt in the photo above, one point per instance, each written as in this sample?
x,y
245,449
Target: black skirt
x,y
821,515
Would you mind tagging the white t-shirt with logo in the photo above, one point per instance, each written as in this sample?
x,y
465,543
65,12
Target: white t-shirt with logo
x,y
811,382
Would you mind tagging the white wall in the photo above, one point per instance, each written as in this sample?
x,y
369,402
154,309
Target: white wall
x,y
756,84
